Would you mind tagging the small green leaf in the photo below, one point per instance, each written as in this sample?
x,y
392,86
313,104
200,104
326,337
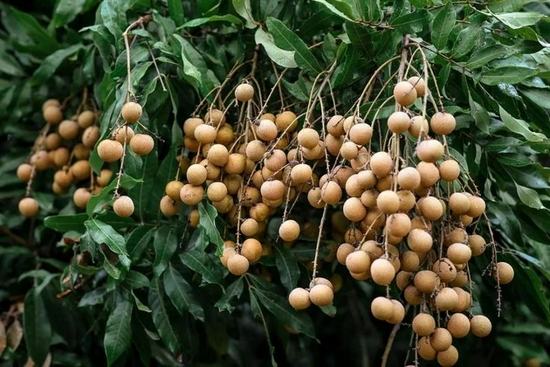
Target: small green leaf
x,y
411,22
118,331
287,266
66,222
482,56
161,313
136,280
243,8
361,37
466,41
66,11
214,18
138,241
175,9
104,233
37,328
334,9
480,115
113,14
208,266
443,24
165,243
181,294
189,67
207,220
233,291
279,56
51,63
520,20
529,197
507,75
126,182
519,127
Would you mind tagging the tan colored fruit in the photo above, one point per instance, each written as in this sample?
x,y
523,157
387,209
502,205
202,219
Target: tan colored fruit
x,y
236,164
50,102
52,141
356,261
382,308
28,207
273,190
197,174
244,92
459,253
52,115
123,206
448,358
255,150
398,312
445,269
457,235
286,121
430,207
349,150
299,299
249,227
430,150
227,253
343,251
335,126
142,144
477,206
68,129
460,280
504,272
426,281
308,138
321,295
458,325
412,295
81,170
173,189
459,203
124,133
86,119
480,326
420,222
419,84
403,279
169,206
331,192
24,172
40,160
408,178
442,123
353,189
429,174
81,197
449,170
423,324
399,122
194,218
252,249
354,210
218,155
131,112
205,134
238,264
446,299
300,174
398,224
81,152
419,127
382,271
441,339
388,202
531,362
464,300
215,117
289,230
191,195
266,130
190,125
63,178
110,150
368,198
90,136
477,244
407,201
410,261
425,350
381,164
217,191
419,240
360,133
404,93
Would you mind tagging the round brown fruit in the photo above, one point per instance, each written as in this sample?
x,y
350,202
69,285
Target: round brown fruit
x,y
398,224
381,164
81,197
445,269
331,193
124,133
123,206
40,160
216,191
398,312
441,339
426,281
477,206
321,295
388,202
448,358
410,261
52,141
289,230
24,172
142,144
480,326
244,92
419,240
266,130
300,174
80,170
356,261
299,299
286,121
308,138
419,84
425,350
215,117
399,122
249,227
169,206
205,134
449,170
382,308
86,119
459,203
131,112
354,210
173,189
252,249
419,127
446,299
423,324
90,136
191,195
196,174
408,178
430,150
382,271
110,150
218,154
431,208
273,190
255,150
68,129
343,251
404,93
360,133
504,272
458,325
335,126
477,244
459,253
442,123
28,207
52,115
238,264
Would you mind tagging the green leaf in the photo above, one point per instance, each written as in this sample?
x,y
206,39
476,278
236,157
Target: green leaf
x,y
279,56
207,220
360,37
165,243
466,41
519,127
287,266
520,20
51,63
334,9
529,197
161,313
288,40
480,115
411,22
181,294
104,233
118,331
233,291
175,9
443,24
138,241
136,280
257,311
66,11
126,182
214,18
507,75
538,96
141,193
113,14
189,67
483,56
37,328
243,8
207,266
66,222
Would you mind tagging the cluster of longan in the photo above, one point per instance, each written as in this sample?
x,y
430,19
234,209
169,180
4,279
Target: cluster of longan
x,y
113,149
65,150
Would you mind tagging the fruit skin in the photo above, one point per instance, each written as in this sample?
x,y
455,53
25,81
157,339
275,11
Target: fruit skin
x,y
124,133
321,295
448,358
382,308
131,112
404,93
238,264
289,230
142,144
441,339
399,122
382,271
24,172
425,350
505,272
423,324
480,326
244,92
29,207
458,325
169,206
52,115
123,206
110,150
419,84
86,119
442,123
299,299
252,249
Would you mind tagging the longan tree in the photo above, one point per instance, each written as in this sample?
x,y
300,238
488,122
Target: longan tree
x,y
301,183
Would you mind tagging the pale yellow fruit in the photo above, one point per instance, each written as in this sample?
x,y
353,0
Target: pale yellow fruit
x,y
299,299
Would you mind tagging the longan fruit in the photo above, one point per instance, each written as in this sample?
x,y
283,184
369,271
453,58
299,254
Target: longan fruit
x,y
457,235
218,154
86,119
531,362
449,170
68,129
381,164
354,210
402,279
190,124
142,144
173,188
215,117
325,281
426,281
334,144
423,324
399,122
24,172
410,261
353,189
205,134
314,198
464,300
123,206
308,138
81,152
244,92
504,272
459,203
131,112
40,160
331,193
226,254
407,201
301,173
430,207
249,227
460,280
255,150
480,326
419,85
335,126
52,115
419,240
408,178
458,325
90,136
273,190
299,299
398,225
266,130
477,206
81,197
446,299
382,271
441,339
442,123
459,253
52,141
289,230
276,160
286,121
445,269
425,350
216,191
236,164
81,170
194,218
63,178
412,295
448,358
355,261
382,308
349,150
110,150
124,133
360,133
398,312
169,206
430,150
196,174
404,93
28,207
388,202
237,264
191,195
50,102
419,127
252,249
343,251
477,244
321,295
259,211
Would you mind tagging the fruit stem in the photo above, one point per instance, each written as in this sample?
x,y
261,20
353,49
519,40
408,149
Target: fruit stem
x,y
317,246
391,339
140,21
494,260
121,168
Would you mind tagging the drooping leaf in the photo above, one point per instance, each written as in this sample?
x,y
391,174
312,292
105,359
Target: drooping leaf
x,y
126,182
207,220
529,197
519,126
334,9
214,18
118,331
279,56
67,222
138,241
66,11
104,233
38,331
520,20
287,266
165,244
234,290
443,25
175,8
466,41
204,264
507,75
161,313
181,294
244,9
